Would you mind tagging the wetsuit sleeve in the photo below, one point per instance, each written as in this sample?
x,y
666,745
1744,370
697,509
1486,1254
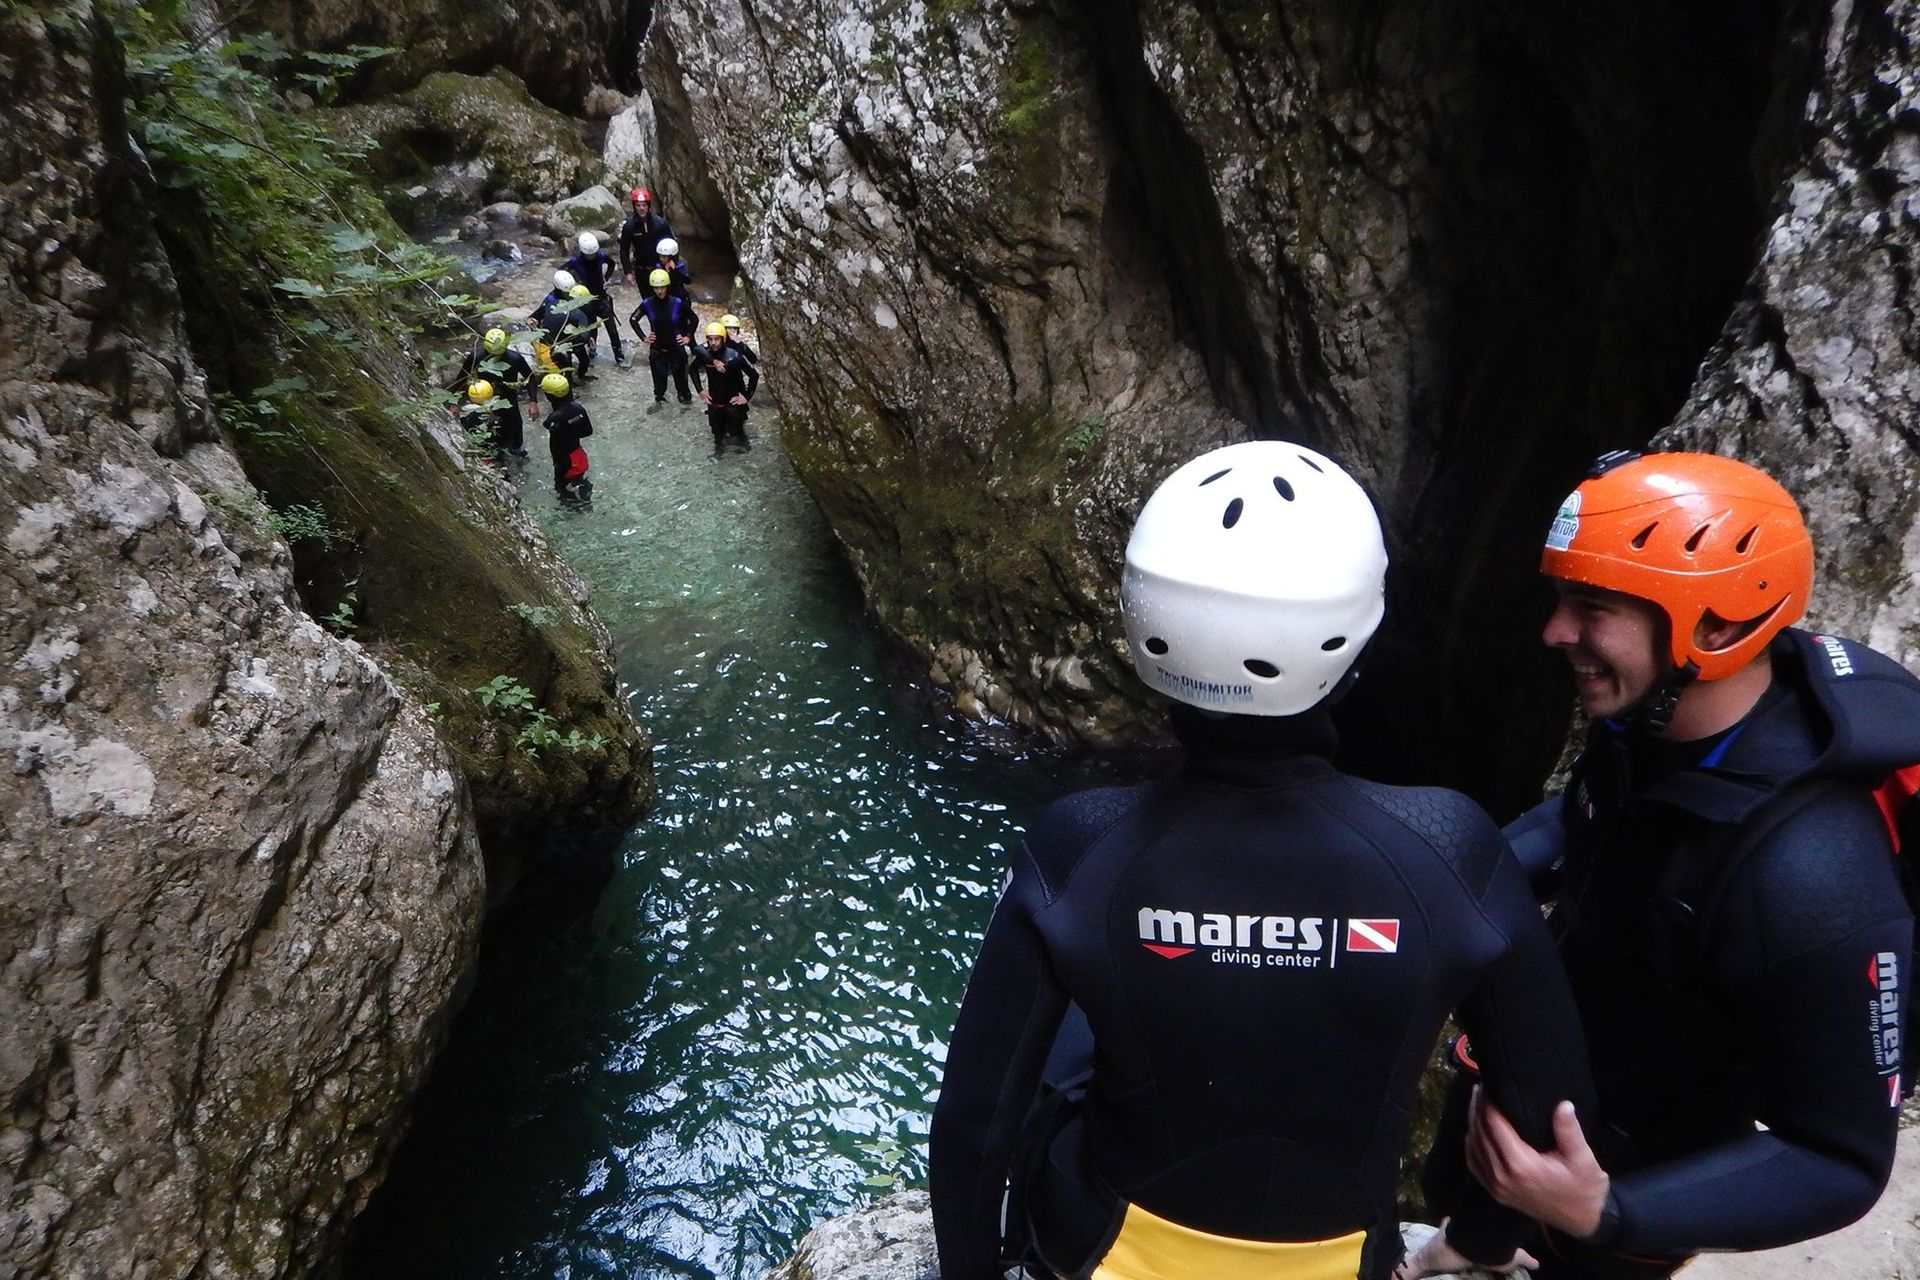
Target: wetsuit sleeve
x,y
1539,841
1822,928
753,377
1527,1039
696,369
1007,1022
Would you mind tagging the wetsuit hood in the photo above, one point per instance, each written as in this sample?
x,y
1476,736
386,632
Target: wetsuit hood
x,y
1857,715
1254,750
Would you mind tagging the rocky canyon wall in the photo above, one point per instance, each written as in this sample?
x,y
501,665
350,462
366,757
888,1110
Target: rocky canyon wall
x,y
1015,259
243,883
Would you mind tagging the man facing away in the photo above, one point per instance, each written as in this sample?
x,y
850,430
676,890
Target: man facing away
x,y
1730,911
1264,947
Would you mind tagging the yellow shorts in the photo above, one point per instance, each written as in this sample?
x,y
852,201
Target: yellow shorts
x,y
1152,1248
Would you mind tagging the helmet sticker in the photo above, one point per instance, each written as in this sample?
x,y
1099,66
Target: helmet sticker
x,y
1566,524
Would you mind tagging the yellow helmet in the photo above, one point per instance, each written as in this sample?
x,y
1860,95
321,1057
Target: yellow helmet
x,y
480,391
716,330
730,320
556,385
658,279
580,291
495,342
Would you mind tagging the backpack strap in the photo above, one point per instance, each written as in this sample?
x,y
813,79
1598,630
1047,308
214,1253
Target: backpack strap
x,y
1695,882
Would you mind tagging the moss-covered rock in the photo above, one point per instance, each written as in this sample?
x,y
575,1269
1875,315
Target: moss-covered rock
x,y
469,137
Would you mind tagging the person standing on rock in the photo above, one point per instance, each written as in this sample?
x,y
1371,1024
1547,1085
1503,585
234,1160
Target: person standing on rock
x,y
593,267
1729,907
1264,948
511,377
727,381
640,236
669,326
567,424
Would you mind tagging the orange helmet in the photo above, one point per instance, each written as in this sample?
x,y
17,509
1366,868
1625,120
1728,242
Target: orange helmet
x,y
1695,534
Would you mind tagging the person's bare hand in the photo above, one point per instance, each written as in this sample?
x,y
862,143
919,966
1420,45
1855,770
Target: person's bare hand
x,y
1565,1188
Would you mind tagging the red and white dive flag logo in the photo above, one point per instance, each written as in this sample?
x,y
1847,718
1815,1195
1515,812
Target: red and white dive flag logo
x,y
1379,936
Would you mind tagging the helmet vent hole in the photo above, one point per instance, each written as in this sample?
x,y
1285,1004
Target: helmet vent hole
x,y
1746,540
1281,487
1640,538
1334,645
1699,536
1156,646
1310,462
1232,515
1262,668
1215,476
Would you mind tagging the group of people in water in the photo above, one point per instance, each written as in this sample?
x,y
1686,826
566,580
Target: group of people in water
x,y
501,382
1192,1038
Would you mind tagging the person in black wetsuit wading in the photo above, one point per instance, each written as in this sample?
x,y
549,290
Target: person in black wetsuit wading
x,y
510,375
594,267
1729,908
567,425
1264,948
670,324
727,381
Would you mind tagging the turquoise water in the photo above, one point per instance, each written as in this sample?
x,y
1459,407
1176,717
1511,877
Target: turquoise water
x,y
744,1035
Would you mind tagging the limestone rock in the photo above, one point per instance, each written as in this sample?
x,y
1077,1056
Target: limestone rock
x,y
891,1239
242,881
596,209
632,150
1815,376
465,137
567,50
1017,259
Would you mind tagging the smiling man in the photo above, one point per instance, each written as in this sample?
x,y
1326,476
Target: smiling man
x,y
1729,908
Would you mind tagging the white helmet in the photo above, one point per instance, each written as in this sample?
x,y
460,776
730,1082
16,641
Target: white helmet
x,y
563,280
1255,576
669,247
589,242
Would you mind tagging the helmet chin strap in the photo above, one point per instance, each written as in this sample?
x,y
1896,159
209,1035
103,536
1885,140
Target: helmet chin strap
x,y
1655,711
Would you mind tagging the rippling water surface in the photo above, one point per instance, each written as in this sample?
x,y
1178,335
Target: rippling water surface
x,y
745,1033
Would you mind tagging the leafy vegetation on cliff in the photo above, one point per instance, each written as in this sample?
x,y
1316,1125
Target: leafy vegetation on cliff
x,y
306,305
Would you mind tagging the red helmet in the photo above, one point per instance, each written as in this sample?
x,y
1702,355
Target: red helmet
x,y
1695,534
641,194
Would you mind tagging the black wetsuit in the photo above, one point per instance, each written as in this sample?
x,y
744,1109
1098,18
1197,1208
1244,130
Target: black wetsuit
x,y
669,318
640,244
752,357
726,374
511,376
1265,949
1715,996
594,271
567,425
547,304
679,277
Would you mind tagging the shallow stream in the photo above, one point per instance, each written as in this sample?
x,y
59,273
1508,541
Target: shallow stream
x,y
743,1034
